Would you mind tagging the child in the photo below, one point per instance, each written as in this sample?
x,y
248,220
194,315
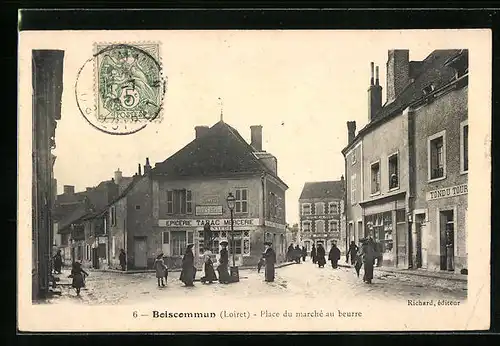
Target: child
x,y
261,263
161,270
77,273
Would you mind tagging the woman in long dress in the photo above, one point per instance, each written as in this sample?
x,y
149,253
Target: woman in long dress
x,y
224,277
270,258
320,256
208,267
188,272
77,273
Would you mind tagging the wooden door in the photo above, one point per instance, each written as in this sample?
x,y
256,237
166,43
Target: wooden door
x,y
140,253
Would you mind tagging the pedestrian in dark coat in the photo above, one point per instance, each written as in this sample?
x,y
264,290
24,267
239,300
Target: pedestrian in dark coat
x,y
188,272
304,253
224,277
334,255
358,262
289,253
261,263
208,267
353,251
270,257
77,273
297,254
160,269
313,254
320,256
123,259
58,262
368,254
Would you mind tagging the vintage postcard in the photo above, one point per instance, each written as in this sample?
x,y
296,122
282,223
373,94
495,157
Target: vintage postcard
x,y
274,180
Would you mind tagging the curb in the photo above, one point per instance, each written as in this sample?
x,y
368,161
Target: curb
x,y
412,273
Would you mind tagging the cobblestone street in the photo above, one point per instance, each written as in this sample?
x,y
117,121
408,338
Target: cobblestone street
x,y
304,280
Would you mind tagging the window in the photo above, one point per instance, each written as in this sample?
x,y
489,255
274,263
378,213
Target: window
x,y
241,201
334,226
320,208
437,156
179,202
137,207
375,175
353,189
178,243
306,208
165,238
113,216
320,226
333,208
464,147
353,157
213,245
306,226
88,253
393,172
272,205
113,247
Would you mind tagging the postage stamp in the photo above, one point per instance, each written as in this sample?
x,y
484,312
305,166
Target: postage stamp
x,y
127,87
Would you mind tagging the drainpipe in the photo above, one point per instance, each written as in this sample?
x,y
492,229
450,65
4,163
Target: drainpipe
x,y
411,182
263,183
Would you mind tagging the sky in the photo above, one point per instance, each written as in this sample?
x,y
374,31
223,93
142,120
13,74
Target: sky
x,y
301,86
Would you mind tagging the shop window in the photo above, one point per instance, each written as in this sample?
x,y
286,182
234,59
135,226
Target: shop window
x,y
464,147
241,205
306,209
375,177
353,189
393,171
179,202
437,156
178,244
306,226
238,243
213,244
320,208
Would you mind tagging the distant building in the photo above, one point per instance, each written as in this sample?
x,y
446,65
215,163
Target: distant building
x,y
406,170
190,189
321,206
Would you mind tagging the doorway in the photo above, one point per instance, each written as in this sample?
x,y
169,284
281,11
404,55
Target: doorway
x,y
447,240
420,241
140,252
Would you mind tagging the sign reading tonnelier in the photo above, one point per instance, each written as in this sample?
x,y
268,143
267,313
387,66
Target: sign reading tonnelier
x,y
447,192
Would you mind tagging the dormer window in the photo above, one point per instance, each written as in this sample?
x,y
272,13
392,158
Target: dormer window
x,y
460,63
428,89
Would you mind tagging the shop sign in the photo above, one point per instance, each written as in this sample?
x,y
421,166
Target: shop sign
x,y
274,225
205,210
447,192
210,200
215,224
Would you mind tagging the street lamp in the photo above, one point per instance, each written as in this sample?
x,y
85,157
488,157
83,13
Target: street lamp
x,y
231,202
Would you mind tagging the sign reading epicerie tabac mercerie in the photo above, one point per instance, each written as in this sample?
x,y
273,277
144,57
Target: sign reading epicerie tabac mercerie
x,y
215,224
447,192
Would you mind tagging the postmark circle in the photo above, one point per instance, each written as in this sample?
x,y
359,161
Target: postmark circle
x,y
120,90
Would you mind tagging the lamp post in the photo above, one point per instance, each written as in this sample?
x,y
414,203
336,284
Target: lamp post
x,y
231,202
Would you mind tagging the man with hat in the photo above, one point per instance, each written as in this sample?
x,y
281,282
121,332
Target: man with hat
x,y
188,272
270,257
224,277
368,254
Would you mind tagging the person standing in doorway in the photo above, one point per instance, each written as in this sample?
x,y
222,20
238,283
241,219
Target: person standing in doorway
x,y
188,272
320,255
222,268
160,269
353,252
334,255
58,262
270,257
314,256
123,259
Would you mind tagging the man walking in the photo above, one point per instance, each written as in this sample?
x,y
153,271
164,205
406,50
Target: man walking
x,y
334,255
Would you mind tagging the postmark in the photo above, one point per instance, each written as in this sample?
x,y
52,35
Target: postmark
x,y
120,90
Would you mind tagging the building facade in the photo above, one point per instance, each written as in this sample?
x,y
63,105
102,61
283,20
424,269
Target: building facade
x,y
191,187
321,207
407,168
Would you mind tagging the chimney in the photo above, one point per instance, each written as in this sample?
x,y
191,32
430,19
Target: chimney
x,y
351,131
88,189
69,189
374,95
256,135
398,72
201,131
147,166
139,172
118,176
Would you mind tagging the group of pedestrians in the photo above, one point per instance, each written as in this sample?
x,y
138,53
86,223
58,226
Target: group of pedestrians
x,y
295,254
365,255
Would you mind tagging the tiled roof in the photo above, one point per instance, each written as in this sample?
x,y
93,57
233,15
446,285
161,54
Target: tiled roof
x,y
221,151
323,189
432,70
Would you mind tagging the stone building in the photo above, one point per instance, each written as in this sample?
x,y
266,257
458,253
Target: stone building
x,y
190,189
406,170
321,206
